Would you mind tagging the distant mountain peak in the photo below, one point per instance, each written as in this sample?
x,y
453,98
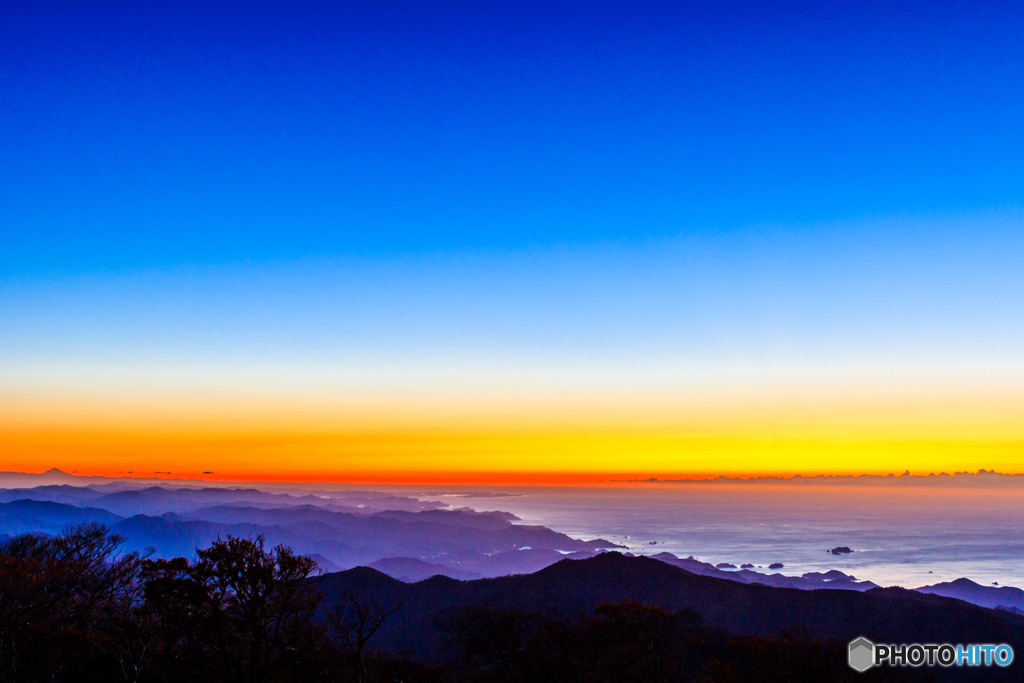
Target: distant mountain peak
x,y
986,596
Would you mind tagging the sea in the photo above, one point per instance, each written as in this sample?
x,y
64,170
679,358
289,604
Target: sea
x,y
900,536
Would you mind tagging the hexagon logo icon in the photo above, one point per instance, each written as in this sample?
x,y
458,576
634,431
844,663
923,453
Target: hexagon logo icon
x,y
861,654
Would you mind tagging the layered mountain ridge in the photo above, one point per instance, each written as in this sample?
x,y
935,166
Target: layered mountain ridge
x,y
402,536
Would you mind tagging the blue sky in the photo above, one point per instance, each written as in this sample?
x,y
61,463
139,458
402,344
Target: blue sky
x,y
162,135
780,220
939,291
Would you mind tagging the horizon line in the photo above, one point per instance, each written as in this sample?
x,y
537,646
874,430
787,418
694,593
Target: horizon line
x,y
983,478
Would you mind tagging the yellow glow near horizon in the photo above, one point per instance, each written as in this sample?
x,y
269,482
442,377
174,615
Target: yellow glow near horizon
x,y
481,457
474,433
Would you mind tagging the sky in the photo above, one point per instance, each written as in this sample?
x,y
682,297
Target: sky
x,y
511,241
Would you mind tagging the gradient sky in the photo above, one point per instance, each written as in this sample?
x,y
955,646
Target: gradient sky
x,y
483,240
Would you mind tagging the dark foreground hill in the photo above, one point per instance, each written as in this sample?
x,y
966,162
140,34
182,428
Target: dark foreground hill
x,y
75,609
890,615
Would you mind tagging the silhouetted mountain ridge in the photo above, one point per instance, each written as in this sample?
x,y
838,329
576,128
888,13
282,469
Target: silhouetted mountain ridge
x,y
485,544
986,596
411,570
26,516
571,586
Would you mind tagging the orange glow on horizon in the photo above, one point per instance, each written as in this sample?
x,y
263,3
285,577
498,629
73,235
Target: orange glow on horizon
x,y
502,437
548,458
